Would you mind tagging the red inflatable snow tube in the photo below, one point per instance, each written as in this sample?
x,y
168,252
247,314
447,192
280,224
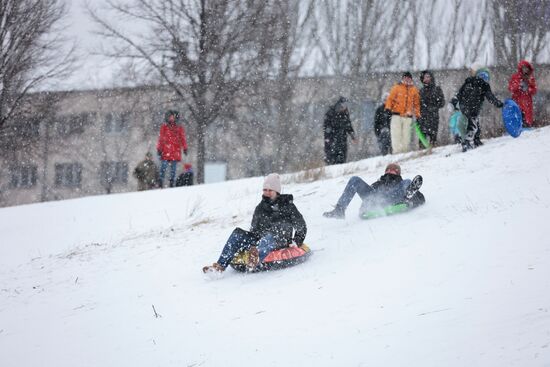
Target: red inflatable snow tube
x,y
278,259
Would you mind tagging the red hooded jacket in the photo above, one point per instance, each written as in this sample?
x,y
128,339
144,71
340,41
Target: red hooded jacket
x,y
523,89
171,142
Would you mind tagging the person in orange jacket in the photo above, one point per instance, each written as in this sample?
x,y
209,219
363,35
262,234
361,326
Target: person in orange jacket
x,y
169,146
404,104
523,87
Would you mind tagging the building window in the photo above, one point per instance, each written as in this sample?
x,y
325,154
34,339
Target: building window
x,y
116,123
23,177
72,124
114,172
68,174
28,129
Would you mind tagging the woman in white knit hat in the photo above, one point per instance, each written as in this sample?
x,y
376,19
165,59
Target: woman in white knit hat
x,y
276,224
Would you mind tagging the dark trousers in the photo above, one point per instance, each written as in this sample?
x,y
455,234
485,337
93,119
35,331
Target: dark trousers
x,y
384,141
354,186
242,240
335,153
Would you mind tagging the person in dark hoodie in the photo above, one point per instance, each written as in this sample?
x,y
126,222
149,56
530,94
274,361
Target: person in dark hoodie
x,y
469,101
276,223
431,100
390,189
336,128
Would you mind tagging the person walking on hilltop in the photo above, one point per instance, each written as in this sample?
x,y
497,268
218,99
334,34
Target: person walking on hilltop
x,y
469,101
404,104
146,173
170,144
382,121
431,100
336,127
523,87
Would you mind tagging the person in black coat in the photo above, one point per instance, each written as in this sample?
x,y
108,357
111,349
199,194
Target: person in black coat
x,y
276,224
382,119
390,189
336,127
469,101
431,100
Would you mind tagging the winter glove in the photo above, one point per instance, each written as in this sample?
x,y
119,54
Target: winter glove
x,y
185,151
159,153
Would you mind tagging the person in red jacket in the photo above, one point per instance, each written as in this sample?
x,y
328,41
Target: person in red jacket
x,y
170,144
523,87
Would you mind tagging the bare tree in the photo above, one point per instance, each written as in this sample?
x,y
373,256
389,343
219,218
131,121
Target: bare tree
x,y
204,50
31,49
520,29
293,29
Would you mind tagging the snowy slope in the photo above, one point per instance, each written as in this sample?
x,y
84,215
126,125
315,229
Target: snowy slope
x,y
461,281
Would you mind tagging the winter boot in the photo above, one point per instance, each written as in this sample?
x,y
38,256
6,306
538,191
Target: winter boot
x,y
337,213
413,187
214,268
466,146
253,258
477,143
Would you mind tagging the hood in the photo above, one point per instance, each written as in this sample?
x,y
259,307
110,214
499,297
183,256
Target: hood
x,y
523,63
430,74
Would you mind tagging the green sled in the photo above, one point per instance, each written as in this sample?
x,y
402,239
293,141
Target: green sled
x,y
389,210
421,136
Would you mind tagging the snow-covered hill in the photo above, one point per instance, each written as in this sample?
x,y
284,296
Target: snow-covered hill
x,y
462,281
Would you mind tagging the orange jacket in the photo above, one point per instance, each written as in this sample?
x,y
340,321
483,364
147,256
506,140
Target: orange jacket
x,y
404,100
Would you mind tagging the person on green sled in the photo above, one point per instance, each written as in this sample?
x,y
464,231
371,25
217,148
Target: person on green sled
x,y
390,189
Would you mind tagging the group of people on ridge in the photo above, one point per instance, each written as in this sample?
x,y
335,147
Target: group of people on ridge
x,y
394,118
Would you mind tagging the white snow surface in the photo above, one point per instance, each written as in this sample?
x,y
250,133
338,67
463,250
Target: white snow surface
x,y
462,281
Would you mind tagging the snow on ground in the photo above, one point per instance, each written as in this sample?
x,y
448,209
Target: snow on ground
x,y
462,281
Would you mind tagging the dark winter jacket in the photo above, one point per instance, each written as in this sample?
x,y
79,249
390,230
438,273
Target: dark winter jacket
x,y
280,218
382,119
469,98
336,127
147,174
389,188
431,100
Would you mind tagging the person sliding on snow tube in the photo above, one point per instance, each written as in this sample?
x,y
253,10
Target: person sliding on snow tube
x,y
389,190
276,224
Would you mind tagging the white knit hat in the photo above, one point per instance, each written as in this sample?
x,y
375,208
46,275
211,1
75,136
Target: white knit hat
x,y
273,182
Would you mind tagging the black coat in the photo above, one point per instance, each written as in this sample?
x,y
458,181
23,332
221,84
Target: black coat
x,y
280,218
431,100
382,119
336,127
471,95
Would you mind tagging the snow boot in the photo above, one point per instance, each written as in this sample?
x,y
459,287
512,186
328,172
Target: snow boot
x,y
336,213
214,268
466,146
413,187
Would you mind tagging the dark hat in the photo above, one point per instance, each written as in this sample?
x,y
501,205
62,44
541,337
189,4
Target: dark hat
x,y
407,74
393,168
